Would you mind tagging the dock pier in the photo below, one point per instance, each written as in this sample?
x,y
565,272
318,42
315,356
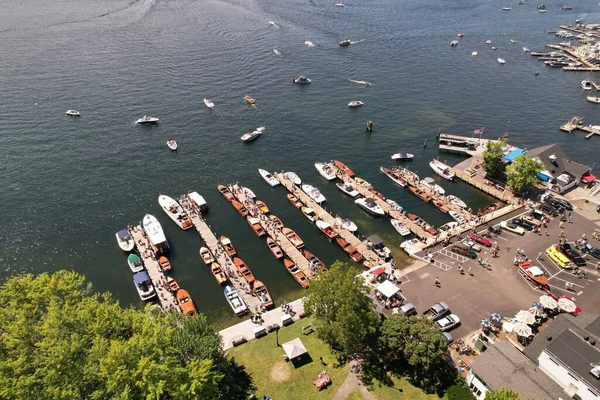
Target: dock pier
x,y
576,123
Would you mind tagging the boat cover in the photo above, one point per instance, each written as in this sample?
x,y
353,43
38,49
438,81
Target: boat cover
x,y
123,234
388,289
196,198
375,240
141,277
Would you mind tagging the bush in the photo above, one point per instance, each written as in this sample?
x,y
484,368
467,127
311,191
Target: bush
x,y
460,391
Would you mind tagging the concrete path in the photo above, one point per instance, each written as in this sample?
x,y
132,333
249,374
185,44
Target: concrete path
x,y
352,382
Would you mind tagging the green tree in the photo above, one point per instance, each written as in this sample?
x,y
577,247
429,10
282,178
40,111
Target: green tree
x,y
460,391
344,316
492,159
502,394
522,173
62,341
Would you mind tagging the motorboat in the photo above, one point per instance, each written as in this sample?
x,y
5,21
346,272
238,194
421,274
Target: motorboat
x,y
268,177
125,240
135,263
422,223
326,229
206,255
419,193
275,249
348,248
456,201
370,206
313,193
501,60
521,2
225,192
407,245
296,273
291,176
143,285
534,274
277,52
345,43
235,301
348,189
448,226
197,201
394,205
490,208
155,234
174,210
457,217
344,168
260,291
542,11
309,213
293,237
262,206
378,194
441,169
355,103
339,4
164,263
173,285
430,184
593,99
248,192
276,221
147,120
185,303
172,144
488,41
526,49
347,224
506,8
302,80
239,207
248,99
402,155
296,202
454,43
218,273
361,82
375,243
400,227
209,103
314,261
440,205
363,183
227,245
460,34
567,7
243,270
251,135
325,170
73,113
587,85
473,54
256,226
394,176
513,41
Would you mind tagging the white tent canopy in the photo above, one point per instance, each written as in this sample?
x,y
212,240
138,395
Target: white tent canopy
x,y
294,348
388,289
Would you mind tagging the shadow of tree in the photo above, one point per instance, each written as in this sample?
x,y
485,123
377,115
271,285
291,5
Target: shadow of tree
x,y
238,383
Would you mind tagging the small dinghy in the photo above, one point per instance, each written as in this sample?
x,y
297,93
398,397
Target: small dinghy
x,y
268,177
400,228
209,103
172,144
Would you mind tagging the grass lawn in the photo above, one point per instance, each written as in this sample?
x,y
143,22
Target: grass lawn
x,y
278,379
401,389
355,395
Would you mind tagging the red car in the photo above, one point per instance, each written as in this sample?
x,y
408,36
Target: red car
x,y
480,240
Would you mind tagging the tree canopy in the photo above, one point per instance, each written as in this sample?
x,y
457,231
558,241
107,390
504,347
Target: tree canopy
x,y
345,317
62,341
522,173
502,394
460,391
492,159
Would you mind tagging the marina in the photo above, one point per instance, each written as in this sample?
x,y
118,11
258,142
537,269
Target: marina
x,y
576,123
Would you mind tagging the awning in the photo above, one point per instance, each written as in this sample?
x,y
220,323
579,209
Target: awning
x,y
377,271
141,277
388,289
511,155
588,178
294,348
376,240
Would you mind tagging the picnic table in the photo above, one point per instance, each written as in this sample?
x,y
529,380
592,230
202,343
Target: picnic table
x,y
322,381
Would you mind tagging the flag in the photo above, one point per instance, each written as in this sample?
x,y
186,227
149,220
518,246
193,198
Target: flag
x,y
478,131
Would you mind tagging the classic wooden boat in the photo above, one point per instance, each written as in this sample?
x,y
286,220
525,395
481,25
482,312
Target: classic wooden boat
x,y
173,286
348,248
164,263
239,207
364,183
218,273
376,193
185,303
309,213
256,226
456,201
206,255
262,206
344,168
225,192
298,275
394,176
294,200
314,261
421,222
293,237
534,274
440,205
326,229
227,245
243,270
277,221
236,303
490,208
275,249
248,99
419,193
261,292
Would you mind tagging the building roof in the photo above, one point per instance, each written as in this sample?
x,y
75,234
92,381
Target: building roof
x,y
388,289
503,366
561,164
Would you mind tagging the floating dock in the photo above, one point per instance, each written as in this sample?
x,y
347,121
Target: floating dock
x,y
576,123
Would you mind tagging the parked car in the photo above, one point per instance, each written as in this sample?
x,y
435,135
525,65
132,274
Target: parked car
x,y
522,222
548,209
573,255
437,311
532,220
480,240
559,258
591,250
563,203
449,322
511,226
448,337
559,208
407,309
456,248
474,246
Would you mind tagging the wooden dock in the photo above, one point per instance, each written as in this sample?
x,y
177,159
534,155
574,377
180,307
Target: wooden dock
x,y
219,253
165,296
479,182
576,123
370,258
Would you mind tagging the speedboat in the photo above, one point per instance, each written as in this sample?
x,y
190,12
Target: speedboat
x,y
227,245
248,99
402,155
206,255
348,189
488,41
314,260
224,190
155,234
473,54
251,135
256,226
593,99
277,52
164,264
344,168
275,249
400,227
506,8
370,206
348,248
174,210
248,192
339,4
209,103
291,176
567,7
430,183
542,11
526,49
309,213
501,60
347,224
454,43
235,301
268,177
345,42
587,85
441,169
460,34
244,271
295,201
394,205
276,220
513,41
302,80
326,229
394,176
355,103
422,223
521,2
173,285
172,144
135,263
125,240
456,201
143,285
293,237
73,113
308,43
457,217
185,303
261,292
325,171
298,275
313,193
146,120
448,226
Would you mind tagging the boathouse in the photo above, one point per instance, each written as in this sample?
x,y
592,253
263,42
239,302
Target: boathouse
x,y
560,172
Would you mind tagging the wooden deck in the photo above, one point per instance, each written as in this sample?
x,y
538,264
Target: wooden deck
x,y
478,181
576,123
165,297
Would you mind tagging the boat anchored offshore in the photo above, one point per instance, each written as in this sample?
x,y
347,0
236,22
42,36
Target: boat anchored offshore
x,y
302,80
526,49
155,234
501,60
268,177
174,210
125,240
400,227
355,103
345,43
441,169
209,103
73,113
253,134
313,193
235,301
248,99
325,170
370,206
402,155
147,120
172,144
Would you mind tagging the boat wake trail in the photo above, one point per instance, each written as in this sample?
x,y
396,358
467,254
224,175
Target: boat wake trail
x,y
309,43
366,83
277,52
358,41
274,24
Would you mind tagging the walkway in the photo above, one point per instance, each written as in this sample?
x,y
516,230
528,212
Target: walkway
x,y
352,382
486,186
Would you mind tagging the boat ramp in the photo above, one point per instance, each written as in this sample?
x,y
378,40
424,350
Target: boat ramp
x,y
576,123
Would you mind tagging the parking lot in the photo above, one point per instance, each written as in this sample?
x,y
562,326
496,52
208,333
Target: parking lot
x,y
501,288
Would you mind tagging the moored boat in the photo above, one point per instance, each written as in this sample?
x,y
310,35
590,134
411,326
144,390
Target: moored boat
x,y
432,185
314,261
227,245
185,302
402,155
355,103
378,194
268,177
441,169
293,237
225,192
143,285
173,285
325,171
395,176
125,240
419,193
218,273
326,229
400,227
302,80
206,255
275,249
347,224
197,201
309,213
73,113
155,234
490,208
448,226
174,210
587,85
164,263
294,200
362,182
394,205
344,168
457,217
276,220
135,263
456,201
348,189
313,193
236,303
239,207
291,176
147,120
243,270
440,205
593,99
422,223
348,248
370,206
298,275
261,292
262,206
256,226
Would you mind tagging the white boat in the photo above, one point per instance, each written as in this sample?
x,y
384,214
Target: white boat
x,y
325,170
370,206
441,169
448,226
593,99
73,113
143,285
155,234
513,41
473,54
587,85
457,217
456,201
454,43
313,193
174,210
501,60
249,193
402,155
394,205
197,201
172,144
277,52
146,120
400,227
309,213
408,244
209,103
355,103
125,240
348,189
251,135
430,183
488,41
361,82
506,8
291,176
542,11
339,4
526,49
268,177
347,224
308,43
135,263
235,301
302,80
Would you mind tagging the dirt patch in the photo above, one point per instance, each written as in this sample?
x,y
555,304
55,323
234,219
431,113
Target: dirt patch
x,y
281,372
